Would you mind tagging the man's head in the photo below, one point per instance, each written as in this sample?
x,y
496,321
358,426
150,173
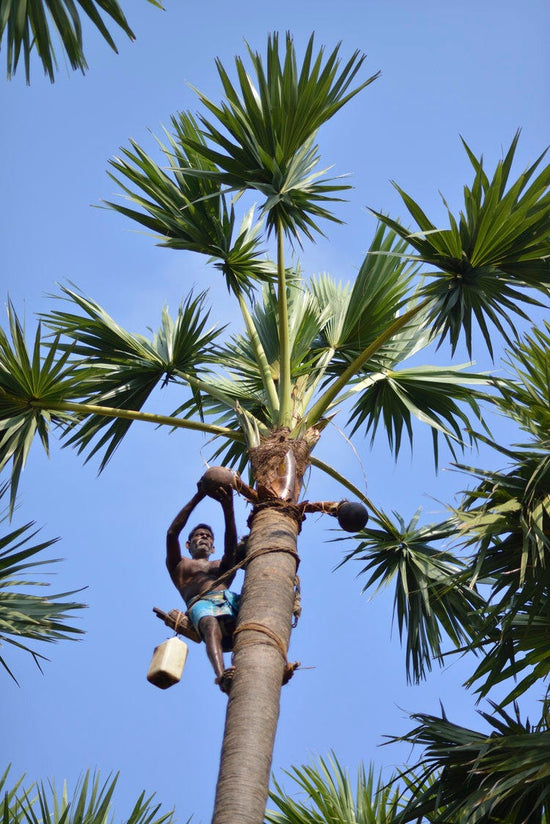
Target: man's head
x,y
201,541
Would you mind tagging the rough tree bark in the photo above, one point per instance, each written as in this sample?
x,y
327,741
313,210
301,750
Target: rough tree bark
x,y
253,708
262,636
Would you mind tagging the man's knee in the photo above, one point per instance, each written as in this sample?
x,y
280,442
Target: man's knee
x,y
209,627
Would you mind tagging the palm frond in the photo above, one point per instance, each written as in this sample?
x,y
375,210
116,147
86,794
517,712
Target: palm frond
x,y
29,383
526,398
11,810
331,797
90,803
506,517
379,293
503,775
436,396
25,27
25,616
431,598
261,136
126,367
187,211
498,247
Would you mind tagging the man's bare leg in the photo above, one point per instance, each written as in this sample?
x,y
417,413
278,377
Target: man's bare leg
x,y
212,636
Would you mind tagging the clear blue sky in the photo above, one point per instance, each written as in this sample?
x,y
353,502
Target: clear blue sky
x,y
479,70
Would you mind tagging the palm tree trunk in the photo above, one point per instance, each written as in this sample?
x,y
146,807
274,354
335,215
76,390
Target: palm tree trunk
x,y
263,633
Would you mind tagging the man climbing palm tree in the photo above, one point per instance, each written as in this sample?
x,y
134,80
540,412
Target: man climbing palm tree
x,y
212,607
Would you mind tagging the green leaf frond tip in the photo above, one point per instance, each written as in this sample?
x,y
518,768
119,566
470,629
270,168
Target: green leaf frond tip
x,y
491,254
25,616
526,398
184,206
433,597
261,136
482,777
34,27
30,383
330,796
90,802
126,367
445,398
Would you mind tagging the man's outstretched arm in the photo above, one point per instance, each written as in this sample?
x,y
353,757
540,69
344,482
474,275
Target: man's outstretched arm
x,y
225,498
173,549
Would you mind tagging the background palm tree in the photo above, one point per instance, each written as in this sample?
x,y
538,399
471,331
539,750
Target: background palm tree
x,y
90,803
25,616
25,27
326,793
309,347
500,774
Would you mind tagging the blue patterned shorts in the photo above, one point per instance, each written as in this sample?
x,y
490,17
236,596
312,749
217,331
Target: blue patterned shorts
x,y
218,603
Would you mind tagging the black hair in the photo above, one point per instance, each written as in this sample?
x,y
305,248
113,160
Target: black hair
x,y
201,526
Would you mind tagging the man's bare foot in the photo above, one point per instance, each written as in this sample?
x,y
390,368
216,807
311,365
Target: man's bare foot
x,y
225,680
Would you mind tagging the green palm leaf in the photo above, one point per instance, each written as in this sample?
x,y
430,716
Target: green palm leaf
x,y
186,211
480,777
24,616
330,797
27,381
261,136
90,803
431,596
500,242
431,394
526,398
127,367
11,810
25,26
507,518
379,292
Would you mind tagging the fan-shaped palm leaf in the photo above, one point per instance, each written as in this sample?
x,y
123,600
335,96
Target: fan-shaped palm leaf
x,y
480,777
29,385
25,616
526,398
90,803
261,136
127,367
431,596
430,394
378,295
499,243
27,26
330,797
189,212
507,518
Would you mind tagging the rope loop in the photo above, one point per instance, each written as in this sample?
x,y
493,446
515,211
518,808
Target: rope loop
x,y
294,511
252,625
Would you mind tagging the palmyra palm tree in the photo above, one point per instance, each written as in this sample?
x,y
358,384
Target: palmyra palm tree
x,y
502,774
34,27
308,346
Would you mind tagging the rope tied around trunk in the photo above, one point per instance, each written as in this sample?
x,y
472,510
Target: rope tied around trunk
x,y
274,641
241,565
294,511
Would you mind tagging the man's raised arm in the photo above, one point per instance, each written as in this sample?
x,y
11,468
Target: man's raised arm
x,y
225,497
173,549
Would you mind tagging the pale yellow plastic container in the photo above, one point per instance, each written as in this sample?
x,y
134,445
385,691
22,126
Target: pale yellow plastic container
x,y
167,664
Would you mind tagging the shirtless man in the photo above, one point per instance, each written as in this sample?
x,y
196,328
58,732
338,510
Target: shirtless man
x,y
214,615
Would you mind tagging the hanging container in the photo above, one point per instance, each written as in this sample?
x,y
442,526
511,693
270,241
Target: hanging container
x,y
167,664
